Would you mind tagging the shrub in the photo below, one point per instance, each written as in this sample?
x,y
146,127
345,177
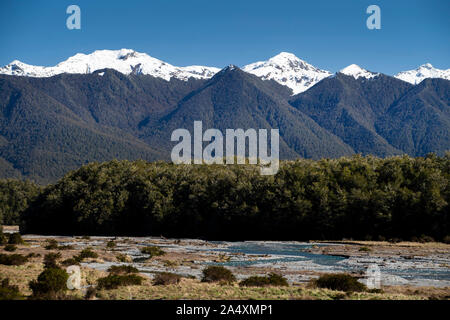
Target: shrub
x,y
340,282
123,258
86,237
50,284
33,255
10,247
3,239
9,292
12,259
423,238
446,239
87,253
111,244
217,273
272,279
50,260
91,292
166,278
15,238
113,281
365,249
65,247
70,262
52,244
153,251
122,270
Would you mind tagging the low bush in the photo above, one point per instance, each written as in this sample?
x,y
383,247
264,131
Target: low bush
x,y
166,278
15,238
217,273
446,239
111,244
424,238
123,258
3,238
70,262
9,292
340,282
91,292
113,281
365,249
52,244
10,247
87,253
272,279
13,259
122,270
50,260
153,251
51,284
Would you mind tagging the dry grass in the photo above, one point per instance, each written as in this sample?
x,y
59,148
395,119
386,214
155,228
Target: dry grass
x,y
194,289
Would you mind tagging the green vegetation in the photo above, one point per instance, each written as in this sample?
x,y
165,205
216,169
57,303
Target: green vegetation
x,y
122,270
87,253
340,282
358,197
71,262
272,279
50,284
113,281
123,258
111,244
13,259
3,238
364,249
153,251
15,197
10,247
52,244
50,260
217,273
15,238
9,292
166,278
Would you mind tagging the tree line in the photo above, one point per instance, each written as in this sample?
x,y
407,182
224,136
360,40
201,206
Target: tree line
x,y
351,197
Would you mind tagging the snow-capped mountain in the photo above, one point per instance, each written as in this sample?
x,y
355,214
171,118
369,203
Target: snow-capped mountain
x,y
286,69
125,61
357,72
424,71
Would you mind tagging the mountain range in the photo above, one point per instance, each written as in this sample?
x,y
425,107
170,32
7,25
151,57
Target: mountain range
x,y
123,104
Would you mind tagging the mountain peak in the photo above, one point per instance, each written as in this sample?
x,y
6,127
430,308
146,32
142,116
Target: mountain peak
x,y
126,61
289,70
422,72
357,72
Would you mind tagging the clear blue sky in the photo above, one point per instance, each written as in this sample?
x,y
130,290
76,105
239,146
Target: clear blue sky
x,y
329,34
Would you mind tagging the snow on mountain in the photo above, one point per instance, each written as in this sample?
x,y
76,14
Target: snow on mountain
x,y
125,61
357,72
286,69
424,71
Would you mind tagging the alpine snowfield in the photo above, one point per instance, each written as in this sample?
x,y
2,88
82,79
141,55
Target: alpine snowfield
x,y
284,68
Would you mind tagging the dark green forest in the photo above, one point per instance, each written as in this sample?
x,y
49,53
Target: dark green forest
x,y
352,197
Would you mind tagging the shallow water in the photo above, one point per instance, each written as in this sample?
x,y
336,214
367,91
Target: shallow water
x,y
292,256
